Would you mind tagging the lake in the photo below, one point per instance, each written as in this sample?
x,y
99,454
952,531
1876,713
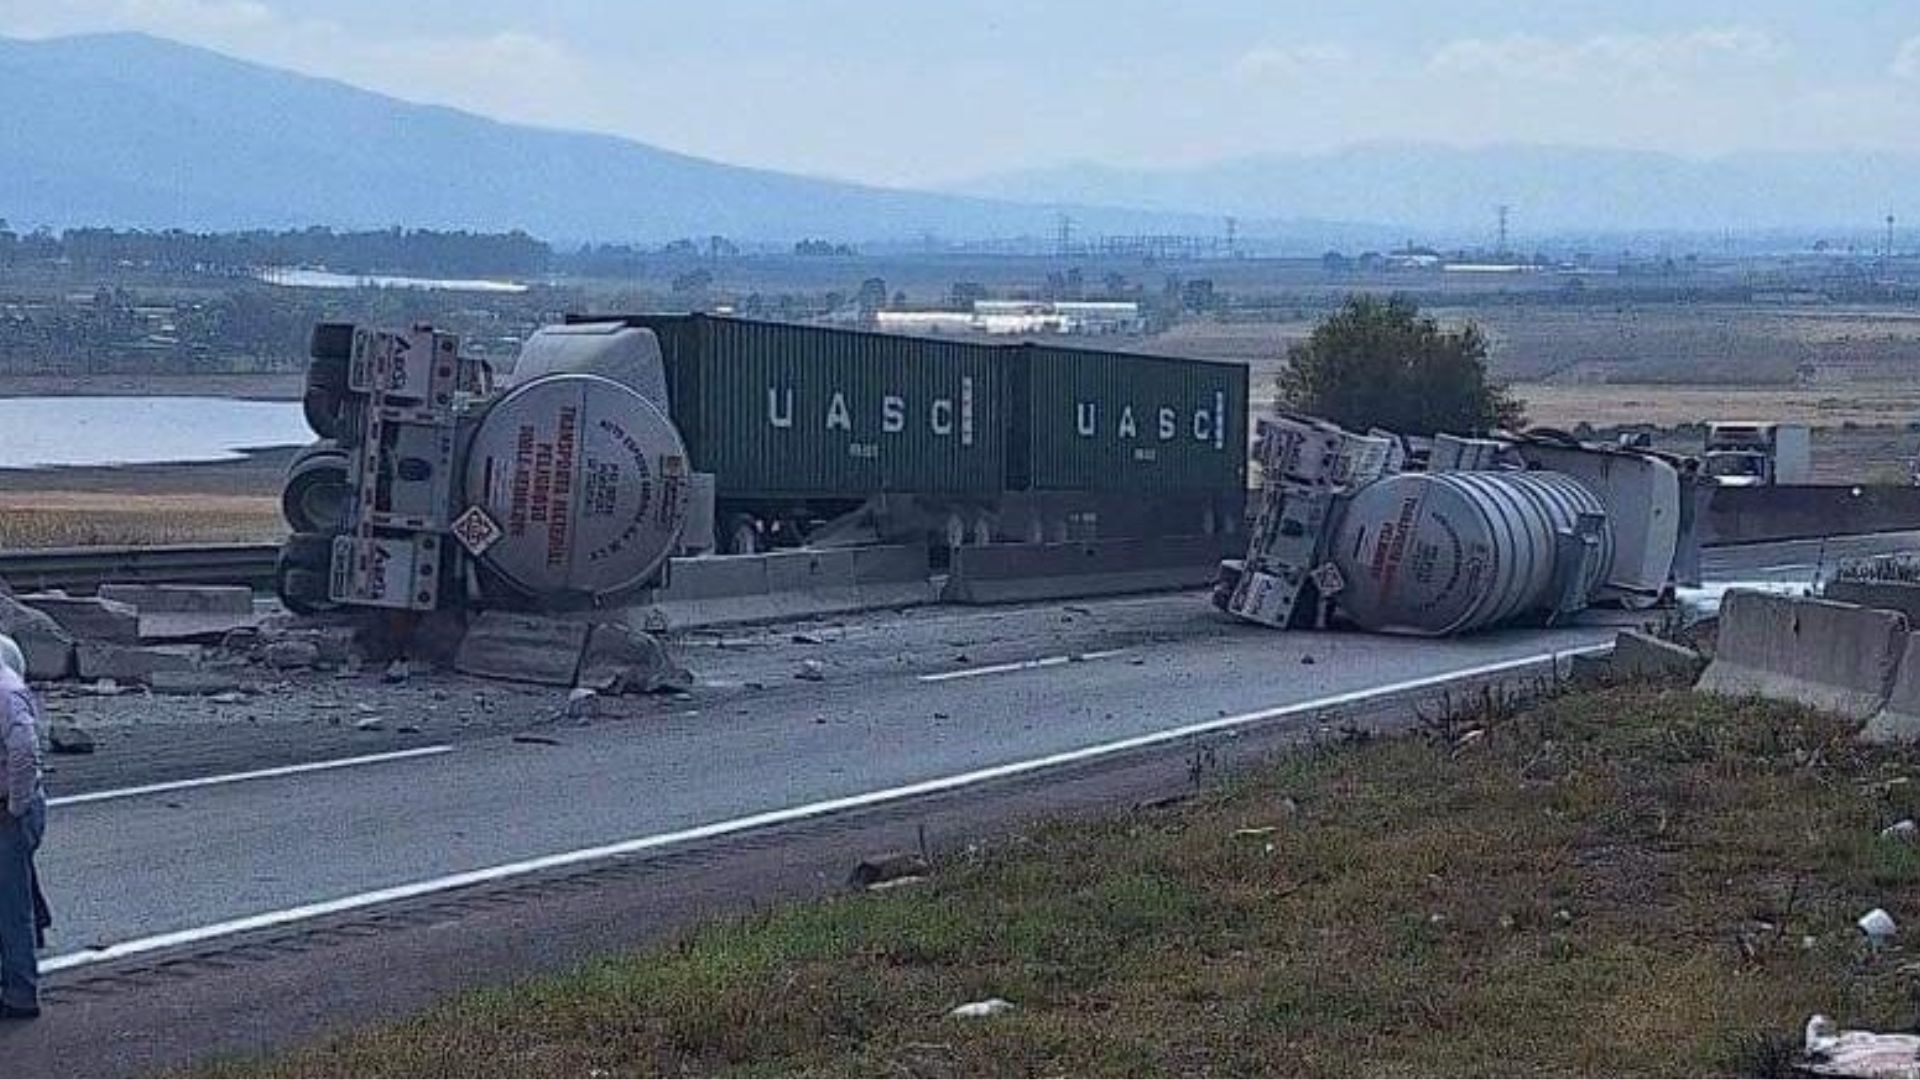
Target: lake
x,y
46,431
322,279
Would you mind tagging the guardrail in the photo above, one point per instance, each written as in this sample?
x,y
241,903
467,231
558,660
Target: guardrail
x,y
85,569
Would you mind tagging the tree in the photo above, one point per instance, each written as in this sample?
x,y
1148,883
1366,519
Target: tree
x,y
1379,363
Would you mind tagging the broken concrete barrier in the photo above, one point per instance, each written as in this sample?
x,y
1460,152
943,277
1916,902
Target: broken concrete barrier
x,y
620,660
1839,658
1900,596
1899,721
1640,655
89,617
728,589
1013,573
134,663
523,648
190,682
181,599
45,643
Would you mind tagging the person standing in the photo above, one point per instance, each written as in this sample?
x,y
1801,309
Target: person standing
x,y
21,827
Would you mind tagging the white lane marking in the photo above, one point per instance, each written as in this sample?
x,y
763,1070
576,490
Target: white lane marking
x,y
1020,665
255,774
267,920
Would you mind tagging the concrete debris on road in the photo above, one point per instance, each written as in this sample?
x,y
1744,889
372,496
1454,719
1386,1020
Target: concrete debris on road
x,y
583,703
621,660
523,648
291,653
192,681
1829,1051
134,663
979,1010
811,671
66,738
89,617
47,645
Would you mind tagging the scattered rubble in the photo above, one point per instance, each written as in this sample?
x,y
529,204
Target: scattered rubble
x,y
69,738
89,618
193,681
291,653
582,703
621,660
811,671
134,663
46,644
397,672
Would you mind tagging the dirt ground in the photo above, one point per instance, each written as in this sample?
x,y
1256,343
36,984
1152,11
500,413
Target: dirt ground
x,y
256,387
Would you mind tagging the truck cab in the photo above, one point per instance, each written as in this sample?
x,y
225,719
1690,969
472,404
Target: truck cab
x,y
1757,453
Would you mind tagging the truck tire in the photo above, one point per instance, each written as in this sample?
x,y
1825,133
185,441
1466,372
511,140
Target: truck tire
x,y
314,497
303,571
303,592
331,341
741,536
322,410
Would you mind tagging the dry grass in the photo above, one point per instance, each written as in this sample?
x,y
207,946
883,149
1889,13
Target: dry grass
x,y
42,519
1622,881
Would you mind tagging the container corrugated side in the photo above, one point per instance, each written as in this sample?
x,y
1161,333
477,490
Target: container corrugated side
x,y
1110,421
777,409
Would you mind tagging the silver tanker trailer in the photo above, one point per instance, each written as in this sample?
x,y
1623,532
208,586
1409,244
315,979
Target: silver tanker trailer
x,y
1491,532
436,484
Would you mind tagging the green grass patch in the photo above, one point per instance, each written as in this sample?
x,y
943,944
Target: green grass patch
x,y
1634,880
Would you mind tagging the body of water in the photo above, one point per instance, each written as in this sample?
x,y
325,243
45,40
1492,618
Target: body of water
x,y
322,279
46,431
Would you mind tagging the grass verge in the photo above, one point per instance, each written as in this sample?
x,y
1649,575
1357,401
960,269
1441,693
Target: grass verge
x,y
1632,880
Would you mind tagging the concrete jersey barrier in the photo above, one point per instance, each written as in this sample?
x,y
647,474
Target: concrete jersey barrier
x,y
719,590
1011,573
1839,658
1750,515
1899,720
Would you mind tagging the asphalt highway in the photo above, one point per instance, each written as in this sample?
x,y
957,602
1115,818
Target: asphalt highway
x,y
792,726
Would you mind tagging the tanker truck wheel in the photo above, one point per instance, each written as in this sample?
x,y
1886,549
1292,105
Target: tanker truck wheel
x,y
301,575
314,498
741,536
329,352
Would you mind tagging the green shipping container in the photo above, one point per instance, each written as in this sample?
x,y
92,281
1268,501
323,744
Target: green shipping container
x,y
1123,422
777,410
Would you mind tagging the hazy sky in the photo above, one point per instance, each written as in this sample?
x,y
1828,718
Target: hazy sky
x,y
926,91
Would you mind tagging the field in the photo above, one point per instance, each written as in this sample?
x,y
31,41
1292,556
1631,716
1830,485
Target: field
x,y
81,519
1627,881
1852,374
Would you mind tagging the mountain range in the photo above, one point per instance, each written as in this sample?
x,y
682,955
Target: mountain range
x,y
135,131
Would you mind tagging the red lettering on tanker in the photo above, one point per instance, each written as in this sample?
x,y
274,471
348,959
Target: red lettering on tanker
x,y
1391,549
522,482
560,527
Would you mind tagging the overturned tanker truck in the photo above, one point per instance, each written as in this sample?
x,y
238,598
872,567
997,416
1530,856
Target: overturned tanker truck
x,y
1491,531
615,442
436,484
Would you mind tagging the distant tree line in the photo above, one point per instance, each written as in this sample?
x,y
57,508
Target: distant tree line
x,y
420,252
